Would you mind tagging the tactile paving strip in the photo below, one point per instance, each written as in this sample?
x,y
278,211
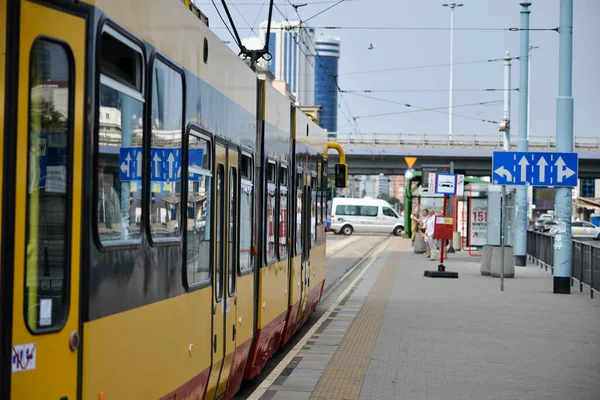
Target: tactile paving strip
x,y
344,375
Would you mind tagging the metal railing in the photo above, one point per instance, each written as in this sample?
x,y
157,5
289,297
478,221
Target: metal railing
x,y
468,141
585,261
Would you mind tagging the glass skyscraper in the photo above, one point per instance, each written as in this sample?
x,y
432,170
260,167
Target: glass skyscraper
x,y
326,78
292,48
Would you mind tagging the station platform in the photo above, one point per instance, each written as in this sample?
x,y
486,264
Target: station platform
x,y
391,333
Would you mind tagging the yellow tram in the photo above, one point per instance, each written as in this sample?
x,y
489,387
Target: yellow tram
x,y
163,210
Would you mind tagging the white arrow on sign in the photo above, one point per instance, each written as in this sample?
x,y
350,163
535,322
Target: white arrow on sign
x,y
504,172
139,164
542,165
170,161
523,163
126,167
563,172
156,160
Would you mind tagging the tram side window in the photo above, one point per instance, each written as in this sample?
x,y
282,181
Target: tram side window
x,y
199,210
120,139
283,212
299,185
317,188
220,257
271,196
324,190
233,228
48,189
165,156
246,217
313,212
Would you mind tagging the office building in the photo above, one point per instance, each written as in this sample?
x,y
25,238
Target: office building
x,y
326,80
292,58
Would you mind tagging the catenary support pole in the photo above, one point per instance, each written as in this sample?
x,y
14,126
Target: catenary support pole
x,y
507,94
564,143
520,248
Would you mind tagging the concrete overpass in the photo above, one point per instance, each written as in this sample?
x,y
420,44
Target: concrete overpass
x,y
372,154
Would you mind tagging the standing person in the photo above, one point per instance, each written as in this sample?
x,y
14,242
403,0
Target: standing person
x,y
429,234
423,226
414,224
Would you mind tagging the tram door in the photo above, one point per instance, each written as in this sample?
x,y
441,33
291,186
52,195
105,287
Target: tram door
x,y
225,269
305,263
49,143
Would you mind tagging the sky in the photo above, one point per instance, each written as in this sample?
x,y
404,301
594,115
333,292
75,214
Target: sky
x,y
427,87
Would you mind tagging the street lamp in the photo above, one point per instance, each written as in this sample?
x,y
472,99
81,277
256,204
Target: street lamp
x,y
452,6
529,87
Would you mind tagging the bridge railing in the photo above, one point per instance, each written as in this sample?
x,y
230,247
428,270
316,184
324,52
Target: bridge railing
x,y
458,140
585,261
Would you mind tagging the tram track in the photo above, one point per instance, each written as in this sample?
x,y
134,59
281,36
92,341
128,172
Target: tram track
x,y
333,285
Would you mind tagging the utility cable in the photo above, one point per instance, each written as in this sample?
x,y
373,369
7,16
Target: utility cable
x,y
410,105
424,90
235,39
430,109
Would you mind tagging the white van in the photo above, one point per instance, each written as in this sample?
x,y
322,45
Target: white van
x,y
364,215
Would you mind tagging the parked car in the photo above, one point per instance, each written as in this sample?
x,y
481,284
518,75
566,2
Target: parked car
x,y
539,223
582,230
547,226
364,215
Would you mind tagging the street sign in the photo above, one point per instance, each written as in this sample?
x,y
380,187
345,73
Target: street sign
x,y
130,165
410,161
535,169
460,185
426,172
431,183
445,184
165,163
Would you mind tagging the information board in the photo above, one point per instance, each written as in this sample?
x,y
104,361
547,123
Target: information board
x,y
478,223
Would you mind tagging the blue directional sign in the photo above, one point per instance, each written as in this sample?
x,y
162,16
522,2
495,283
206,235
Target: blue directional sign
x,y
165,163
535,169
130,164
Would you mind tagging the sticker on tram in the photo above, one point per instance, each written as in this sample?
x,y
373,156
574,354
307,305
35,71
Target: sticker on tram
x,y
23,357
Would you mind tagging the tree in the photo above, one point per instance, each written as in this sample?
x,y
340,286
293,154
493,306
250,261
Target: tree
x,y
393,200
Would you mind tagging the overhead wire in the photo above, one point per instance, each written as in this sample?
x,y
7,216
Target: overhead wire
x,y
424,90
423,108
326,68
418,109
319,13
226,26
399,28
424,66
312,3
249,26
312,64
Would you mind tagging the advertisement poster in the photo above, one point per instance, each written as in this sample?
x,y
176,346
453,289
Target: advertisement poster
x,y
478,223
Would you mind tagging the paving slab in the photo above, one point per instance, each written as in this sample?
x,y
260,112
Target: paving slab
x,y
450,338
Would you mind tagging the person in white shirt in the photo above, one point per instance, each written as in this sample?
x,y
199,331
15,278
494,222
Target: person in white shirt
x,y
430,226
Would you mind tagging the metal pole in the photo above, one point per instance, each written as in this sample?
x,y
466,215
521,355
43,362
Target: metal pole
x,y
506,146
452,6
502,235
507,94
564,143
451,94
529,89
452,211
520,248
